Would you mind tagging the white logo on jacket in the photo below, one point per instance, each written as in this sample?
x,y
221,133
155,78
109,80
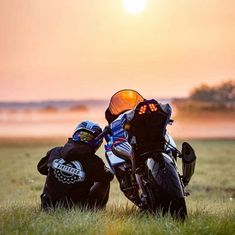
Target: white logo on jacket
x,y
68,172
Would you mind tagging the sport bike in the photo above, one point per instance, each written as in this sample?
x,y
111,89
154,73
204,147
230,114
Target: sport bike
x,y
143,156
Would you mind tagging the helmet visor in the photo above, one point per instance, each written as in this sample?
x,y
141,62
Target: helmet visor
x,y
84,136
124,100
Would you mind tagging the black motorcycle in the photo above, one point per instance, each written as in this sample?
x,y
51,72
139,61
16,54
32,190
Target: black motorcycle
x,y
146,169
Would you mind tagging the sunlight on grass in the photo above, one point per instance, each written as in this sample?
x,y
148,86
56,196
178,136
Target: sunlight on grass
x,y
211,206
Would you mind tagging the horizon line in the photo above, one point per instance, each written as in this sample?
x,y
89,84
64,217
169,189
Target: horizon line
x,y
75,100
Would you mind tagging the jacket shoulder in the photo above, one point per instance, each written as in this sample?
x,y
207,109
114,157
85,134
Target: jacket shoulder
x,y
44,163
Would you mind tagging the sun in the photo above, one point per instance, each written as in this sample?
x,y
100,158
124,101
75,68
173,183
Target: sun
x,y
134,6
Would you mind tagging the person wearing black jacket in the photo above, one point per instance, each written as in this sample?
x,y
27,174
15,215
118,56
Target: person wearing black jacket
x,y
75,175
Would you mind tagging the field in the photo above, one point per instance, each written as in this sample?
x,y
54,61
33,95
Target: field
x,y
211,205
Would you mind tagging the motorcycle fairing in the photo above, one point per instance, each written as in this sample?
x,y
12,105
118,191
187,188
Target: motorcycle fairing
x,y
124,100
113,160
149,127
123,150
118,134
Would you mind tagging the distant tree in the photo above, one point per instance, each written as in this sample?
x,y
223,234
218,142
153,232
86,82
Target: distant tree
x,y
226,92
203,93
79,108
222,93
49,109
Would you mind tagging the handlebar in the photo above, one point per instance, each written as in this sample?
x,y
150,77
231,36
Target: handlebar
x,y
106,131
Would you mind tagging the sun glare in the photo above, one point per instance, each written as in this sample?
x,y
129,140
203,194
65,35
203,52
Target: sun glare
x,y
134,6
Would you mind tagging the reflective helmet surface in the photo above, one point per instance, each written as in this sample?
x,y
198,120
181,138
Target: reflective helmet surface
x,y
86,132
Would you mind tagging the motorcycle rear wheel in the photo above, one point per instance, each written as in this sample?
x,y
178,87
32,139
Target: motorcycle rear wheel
x,y
176,207
168,189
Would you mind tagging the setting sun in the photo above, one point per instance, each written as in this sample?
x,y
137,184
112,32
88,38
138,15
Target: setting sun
x,y
134,6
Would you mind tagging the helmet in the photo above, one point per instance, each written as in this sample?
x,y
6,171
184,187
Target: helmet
x,y
86,132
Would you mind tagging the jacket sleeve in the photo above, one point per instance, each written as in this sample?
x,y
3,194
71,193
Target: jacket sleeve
x,y
43,164
103,173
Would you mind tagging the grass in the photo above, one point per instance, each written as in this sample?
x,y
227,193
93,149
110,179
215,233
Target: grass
x,y
211,206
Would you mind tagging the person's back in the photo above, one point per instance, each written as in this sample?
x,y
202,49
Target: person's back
x,y
74,173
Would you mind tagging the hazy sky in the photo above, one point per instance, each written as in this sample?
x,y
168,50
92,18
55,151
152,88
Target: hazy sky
x,y
76,49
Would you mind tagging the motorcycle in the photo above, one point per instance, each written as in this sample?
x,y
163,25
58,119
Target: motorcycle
x,y
143,156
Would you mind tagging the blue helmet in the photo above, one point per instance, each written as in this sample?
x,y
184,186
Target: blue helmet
x,y
86,132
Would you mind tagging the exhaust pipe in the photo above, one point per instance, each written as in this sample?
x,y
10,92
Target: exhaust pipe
x,y
188,162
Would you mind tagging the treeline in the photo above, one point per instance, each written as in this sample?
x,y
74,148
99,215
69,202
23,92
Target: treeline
x,y
53,109
220,97
222,93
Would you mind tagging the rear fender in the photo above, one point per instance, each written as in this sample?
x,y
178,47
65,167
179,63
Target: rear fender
x,y
167,178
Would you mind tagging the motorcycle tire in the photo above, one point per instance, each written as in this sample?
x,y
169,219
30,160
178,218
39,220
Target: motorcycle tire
x,y
168,189
176,207
150,200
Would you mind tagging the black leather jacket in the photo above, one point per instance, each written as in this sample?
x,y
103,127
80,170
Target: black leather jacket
x,y
71,171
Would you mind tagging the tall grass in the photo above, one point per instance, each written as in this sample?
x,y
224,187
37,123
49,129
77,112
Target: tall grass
x,y
211,205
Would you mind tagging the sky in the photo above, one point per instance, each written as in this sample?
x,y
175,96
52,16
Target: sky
x,y
88,49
